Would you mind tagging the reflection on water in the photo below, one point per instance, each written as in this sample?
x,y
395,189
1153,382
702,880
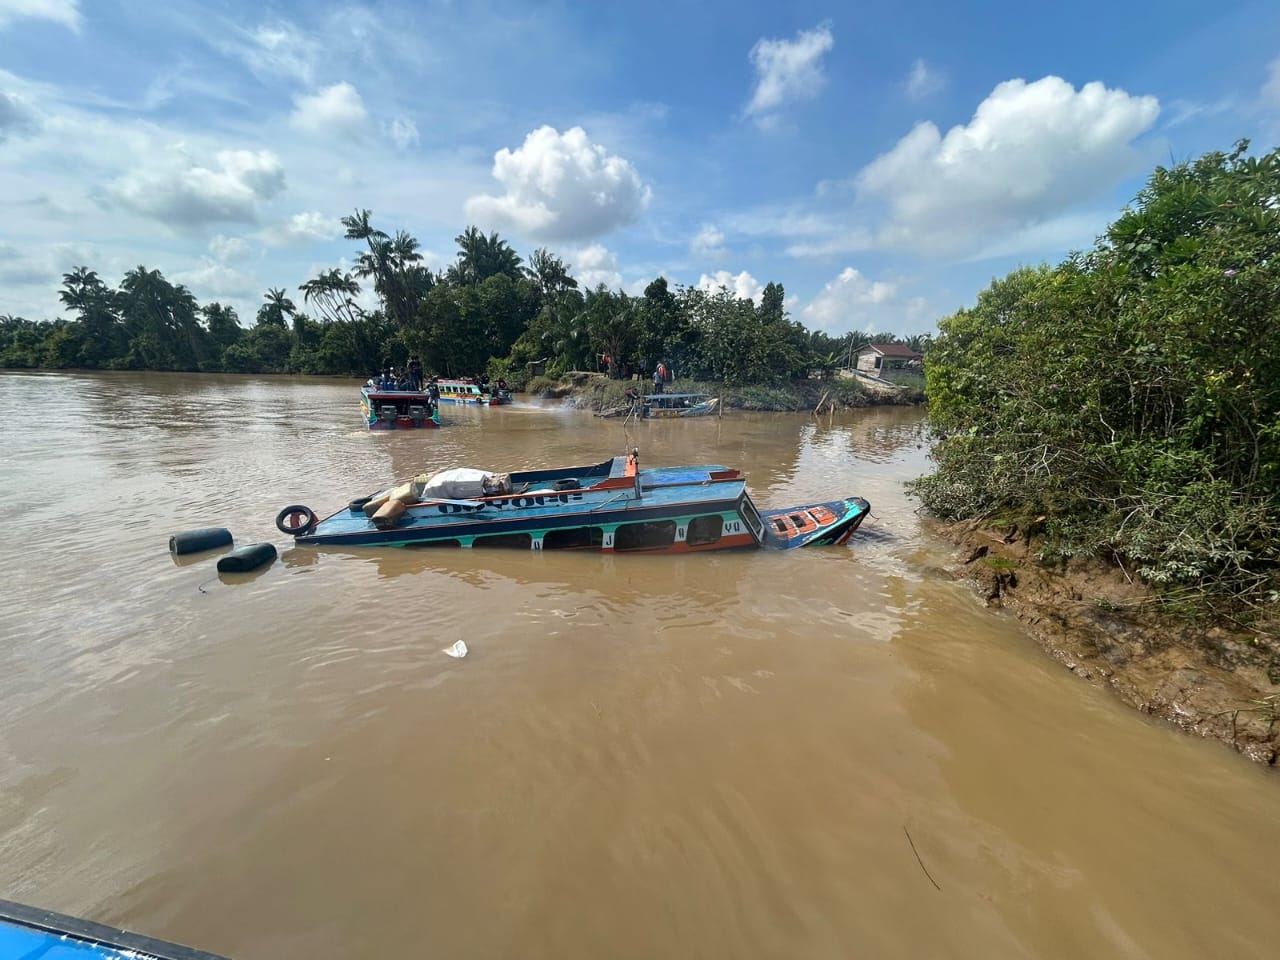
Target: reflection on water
x,y
711,755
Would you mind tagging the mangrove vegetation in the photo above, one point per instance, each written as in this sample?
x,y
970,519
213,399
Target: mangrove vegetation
x,y
1126,402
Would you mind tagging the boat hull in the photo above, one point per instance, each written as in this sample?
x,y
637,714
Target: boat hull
x,y
830,523
398,410
466,401
661,406
611,507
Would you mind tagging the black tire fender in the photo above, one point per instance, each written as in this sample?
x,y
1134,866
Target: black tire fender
x,y
296,520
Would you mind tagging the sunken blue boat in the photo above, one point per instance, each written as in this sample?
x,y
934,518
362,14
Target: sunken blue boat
x,y
612,507
26,932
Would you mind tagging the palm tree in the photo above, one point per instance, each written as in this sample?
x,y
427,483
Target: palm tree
x,y
89,297
392,264
333,292
162,322
405,249
359,227
276,308
920,342
550,272
81,289
481,257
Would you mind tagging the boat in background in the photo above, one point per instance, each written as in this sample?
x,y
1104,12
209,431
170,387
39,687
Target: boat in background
x,y
612,507
398,409
466,391
657,406
26,932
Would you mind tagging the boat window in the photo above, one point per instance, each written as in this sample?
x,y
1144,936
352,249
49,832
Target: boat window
x,y
705,530
425,544
642,536
575,537
752,516
520,540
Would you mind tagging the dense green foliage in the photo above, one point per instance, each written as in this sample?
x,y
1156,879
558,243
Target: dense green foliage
x,y
1131,395
486,311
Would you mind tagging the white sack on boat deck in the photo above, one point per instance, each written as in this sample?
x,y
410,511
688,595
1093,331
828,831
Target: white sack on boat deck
x,y
465,483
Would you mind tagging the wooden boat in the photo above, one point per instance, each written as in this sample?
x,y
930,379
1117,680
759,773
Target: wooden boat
x,y
662,405
26,932
465,391
398,409
613,507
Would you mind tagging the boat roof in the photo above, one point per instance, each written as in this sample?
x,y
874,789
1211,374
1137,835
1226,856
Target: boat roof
x,y
677,396
373,392
676,488
31,932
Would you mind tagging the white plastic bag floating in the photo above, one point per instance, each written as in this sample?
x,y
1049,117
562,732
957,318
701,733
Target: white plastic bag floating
x,y
458,650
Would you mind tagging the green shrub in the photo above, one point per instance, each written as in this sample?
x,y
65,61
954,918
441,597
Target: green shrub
x,y
1132,393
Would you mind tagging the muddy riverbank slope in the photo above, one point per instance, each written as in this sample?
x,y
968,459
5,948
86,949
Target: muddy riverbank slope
x,y
1215,680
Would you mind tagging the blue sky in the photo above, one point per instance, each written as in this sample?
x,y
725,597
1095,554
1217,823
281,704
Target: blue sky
x,y
882,161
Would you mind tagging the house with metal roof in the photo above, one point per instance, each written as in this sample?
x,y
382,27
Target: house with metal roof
x,y
875,358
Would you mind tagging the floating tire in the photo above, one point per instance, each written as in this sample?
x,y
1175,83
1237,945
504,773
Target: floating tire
x,y
244,559
296,520
195,541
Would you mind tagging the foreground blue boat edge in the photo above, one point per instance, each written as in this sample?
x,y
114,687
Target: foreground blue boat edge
x,y
32,932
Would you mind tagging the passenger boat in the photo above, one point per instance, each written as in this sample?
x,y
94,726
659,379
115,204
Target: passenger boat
x,y
661,405
613,507
26,932
398,409
464,391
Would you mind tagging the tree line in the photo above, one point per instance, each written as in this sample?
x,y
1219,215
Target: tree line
x,y
1129,397
489,311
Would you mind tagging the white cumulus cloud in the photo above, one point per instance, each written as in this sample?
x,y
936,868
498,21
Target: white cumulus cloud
x,y
1030,152
594,265
787,70
743,285
853,301
336,111
709,241
184,194
923,81
212,279
305,227
228,249
66,12
561,187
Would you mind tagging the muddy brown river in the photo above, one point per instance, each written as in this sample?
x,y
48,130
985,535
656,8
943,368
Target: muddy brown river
x,y
717,755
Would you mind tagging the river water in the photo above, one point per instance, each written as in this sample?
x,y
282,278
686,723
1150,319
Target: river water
x,y
718,755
